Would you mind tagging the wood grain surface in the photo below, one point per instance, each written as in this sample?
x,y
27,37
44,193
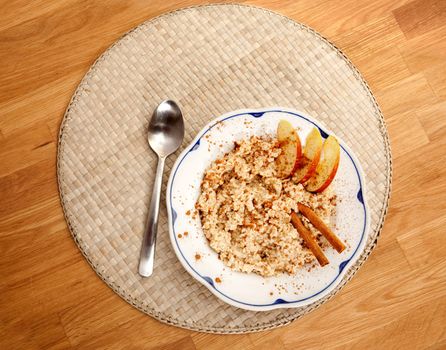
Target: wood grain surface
x,y
49,296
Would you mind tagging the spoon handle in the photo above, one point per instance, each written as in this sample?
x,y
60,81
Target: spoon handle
x,y
149,240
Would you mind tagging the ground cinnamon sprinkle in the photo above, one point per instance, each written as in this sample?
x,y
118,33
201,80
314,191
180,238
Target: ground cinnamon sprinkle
x,y
180,235
186,233
188,212
197,256
245,210
218,280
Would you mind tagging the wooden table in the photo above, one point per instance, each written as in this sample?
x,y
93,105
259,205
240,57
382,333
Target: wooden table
x,y
51,298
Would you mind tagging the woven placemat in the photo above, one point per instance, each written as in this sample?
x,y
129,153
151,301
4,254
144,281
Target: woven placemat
x,y
211,60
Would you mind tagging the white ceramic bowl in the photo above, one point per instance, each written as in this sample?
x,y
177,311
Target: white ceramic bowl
x,y
251,291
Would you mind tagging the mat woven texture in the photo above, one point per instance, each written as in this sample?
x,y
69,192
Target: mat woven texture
x,y
211,60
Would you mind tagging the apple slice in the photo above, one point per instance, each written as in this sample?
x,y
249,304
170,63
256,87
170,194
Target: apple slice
x,y
327,167
288,160
310,158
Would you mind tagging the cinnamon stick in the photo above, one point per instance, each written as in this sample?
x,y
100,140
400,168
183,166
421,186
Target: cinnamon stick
x,y
322,227
309,239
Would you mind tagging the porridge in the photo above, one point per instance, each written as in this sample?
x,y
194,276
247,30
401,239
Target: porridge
x,y
245,209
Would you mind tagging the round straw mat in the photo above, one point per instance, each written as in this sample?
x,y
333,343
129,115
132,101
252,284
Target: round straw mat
x,y
211,60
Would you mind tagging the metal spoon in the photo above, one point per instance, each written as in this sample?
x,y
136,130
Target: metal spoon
x,y
166,132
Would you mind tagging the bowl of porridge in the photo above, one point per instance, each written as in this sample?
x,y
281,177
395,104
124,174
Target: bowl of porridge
x,y
267,209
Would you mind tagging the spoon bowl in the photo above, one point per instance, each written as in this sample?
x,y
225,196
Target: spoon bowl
x,y
166,128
